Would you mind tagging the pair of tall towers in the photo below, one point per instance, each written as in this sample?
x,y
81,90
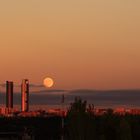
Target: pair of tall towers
x,y
24,95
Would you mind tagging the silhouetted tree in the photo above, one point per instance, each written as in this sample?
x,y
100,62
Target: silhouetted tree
x,y
124,130
80,123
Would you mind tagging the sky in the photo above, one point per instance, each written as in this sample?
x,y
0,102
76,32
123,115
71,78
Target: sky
x,y
88,44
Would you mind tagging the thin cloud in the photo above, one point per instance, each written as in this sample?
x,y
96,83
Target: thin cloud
x,y
31,85
2,85
36,86
50,91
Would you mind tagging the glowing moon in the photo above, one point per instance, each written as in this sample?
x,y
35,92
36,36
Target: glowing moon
x,y
48,82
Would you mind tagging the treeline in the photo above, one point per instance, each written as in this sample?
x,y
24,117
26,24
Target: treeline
x,y
82,124
38,127
79,124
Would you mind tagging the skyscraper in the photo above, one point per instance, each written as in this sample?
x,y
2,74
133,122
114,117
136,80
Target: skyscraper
x,y
25,95
9,94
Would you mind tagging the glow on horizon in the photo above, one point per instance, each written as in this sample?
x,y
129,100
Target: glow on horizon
x,y
82,44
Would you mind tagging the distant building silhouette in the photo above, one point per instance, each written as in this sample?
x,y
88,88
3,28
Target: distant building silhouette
x,y
25,95
9,94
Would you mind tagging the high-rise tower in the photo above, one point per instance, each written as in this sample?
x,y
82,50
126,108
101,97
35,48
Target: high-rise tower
x,y
9,94
25,95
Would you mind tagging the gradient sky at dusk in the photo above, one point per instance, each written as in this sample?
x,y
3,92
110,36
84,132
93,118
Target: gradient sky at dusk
x,y
80,43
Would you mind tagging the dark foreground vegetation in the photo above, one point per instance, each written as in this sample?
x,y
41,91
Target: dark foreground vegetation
x,y
80,124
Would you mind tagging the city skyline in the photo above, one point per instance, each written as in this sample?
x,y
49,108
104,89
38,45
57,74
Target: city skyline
x,y
69,70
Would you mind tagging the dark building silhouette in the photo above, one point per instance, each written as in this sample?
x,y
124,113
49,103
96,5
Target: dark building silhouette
x,y
9,94
25,95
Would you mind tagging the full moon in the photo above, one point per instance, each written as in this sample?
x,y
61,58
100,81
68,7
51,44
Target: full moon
x,y
48,82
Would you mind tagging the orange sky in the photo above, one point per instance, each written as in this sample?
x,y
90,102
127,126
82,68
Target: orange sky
x,y
80,43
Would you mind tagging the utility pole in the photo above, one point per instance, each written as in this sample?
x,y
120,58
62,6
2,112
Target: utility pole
x,y
62,115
